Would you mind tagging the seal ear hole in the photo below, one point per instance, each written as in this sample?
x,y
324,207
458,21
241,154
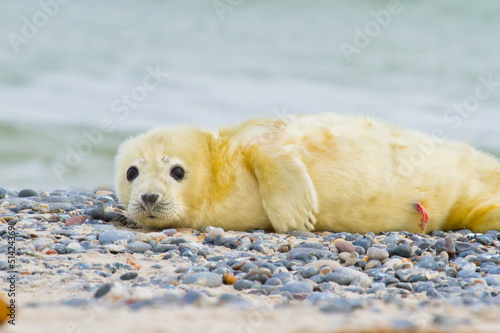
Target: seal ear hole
x,y
132,173
177,173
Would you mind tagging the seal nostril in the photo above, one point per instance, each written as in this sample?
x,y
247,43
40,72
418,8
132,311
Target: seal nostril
x,y
149,198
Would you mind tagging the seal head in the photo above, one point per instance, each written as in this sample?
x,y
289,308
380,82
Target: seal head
x,y
159,175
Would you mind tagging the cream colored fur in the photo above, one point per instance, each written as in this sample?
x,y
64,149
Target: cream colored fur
x,y
312,172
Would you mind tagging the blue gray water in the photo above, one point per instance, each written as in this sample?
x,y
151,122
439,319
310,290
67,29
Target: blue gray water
x,y
66,71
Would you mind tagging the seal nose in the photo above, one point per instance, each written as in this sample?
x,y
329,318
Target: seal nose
x,y
149,198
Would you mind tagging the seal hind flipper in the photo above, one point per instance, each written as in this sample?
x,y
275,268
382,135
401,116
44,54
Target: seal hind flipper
x,y
484,218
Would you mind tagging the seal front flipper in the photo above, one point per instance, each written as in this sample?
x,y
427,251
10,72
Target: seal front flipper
x,y
287,190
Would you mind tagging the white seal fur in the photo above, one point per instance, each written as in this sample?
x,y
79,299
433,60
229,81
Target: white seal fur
x,y
311,172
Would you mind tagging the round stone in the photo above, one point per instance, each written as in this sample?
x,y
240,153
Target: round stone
x,y
492,281
111,236
403,250
320,263
365,243
411,275
42,243
297,288
362,281
103,290
75,220
274,282
129,276
204,279
114,248
348,258
486,239
342,279
449,245
74,247
337,304
242,284
427,262
258,271
214,232
375,253
26,193
229,278
161,248
138,247
309,271
343,246
372,264
60,248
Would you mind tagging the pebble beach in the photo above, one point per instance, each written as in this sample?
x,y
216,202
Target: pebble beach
x,y
80,265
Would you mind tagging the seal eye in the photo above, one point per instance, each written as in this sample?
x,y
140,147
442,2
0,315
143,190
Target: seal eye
x,y
177,173
132,173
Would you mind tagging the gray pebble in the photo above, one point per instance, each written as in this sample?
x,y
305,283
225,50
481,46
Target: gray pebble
x,y
274,282
111,236
60,248
103,290
129,276
449,246
161,248
372,264
318,297
316,246
404,250
205,279
28,193
427,262
403,325
411,275
57,199
54,207
302,233
258,271
96,212
248,267
74,247
297,288
309,272
492,281
360,250
342,279
267,289
486,239
233,300
82,266
138,247
102,273
495,270
375,253
42,243
218,240
362,281
242,284
313,252
341,305
77,302
364,243
376,288
285,277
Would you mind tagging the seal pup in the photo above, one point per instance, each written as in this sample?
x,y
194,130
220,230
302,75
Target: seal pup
x,y
312,172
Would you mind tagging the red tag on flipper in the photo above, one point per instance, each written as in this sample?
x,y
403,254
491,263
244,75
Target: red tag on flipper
x,y
425,216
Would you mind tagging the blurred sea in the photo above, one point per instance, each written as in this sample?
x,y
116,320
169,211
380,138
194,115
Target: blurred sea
x,y
228,61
